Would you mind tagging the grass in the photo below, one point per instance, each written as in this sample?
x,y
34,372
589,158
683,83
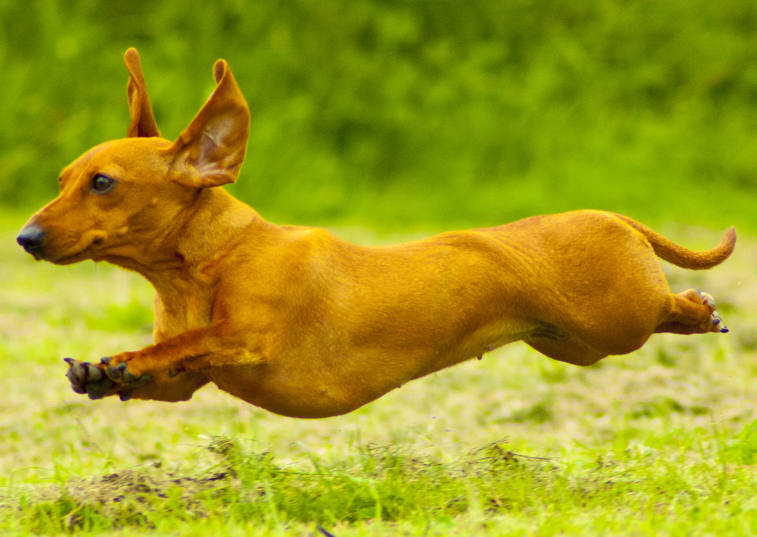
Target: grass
x,y
663,441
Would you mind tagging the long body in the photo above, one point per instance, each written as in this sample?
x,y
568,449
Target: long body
x,y
302,323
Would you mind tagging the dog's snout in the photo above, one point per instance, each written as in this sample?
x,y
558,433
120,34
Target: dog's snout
x,y
31,238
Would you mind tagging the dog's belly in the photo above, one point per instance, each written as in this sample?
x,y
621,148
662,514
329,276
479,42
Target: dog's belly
x,y
331,384
291,395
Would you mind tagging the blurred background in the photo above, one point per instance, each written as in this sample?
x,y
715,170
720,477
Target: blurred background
x,y
409,114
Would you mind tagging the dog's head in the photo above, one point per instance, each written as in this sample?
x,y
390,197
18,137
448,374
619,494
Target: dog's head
x,y
126,196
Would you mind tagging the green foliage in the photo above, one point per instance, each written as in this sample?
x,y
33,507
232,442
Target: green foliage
x,y
743,449
127,318
410,112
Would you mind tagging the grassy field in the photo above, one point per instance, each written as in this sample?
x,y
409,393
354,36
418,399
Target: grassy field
x,y
663,441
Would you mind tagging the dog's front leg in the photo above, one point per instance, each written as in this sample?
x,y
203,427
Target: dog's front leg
x,y
153,372
92,379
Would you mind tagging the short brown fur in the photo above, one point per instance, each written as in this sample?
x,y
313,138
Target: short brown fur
x,y
302,323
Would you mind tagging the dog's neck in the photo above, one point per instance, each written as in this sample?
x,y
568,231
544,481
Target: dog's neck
x,y
201,234
211,225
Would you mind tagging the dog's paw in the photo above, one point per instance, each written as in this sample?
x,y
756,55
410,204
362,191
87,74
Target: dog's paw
x,y
120,374
715,319
88,378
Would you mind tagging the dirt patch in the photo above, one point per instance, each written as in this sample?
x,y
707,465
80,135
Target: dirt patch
x,y
123,494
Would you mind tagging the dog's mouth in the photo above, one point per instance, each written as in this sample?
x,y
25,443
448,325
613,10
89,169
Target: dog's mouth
x,y
87,252
81,250
71,259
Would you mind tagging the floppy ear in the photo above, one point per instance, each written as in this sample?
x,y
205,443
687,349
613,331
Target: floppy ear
x,y
211,149
142,121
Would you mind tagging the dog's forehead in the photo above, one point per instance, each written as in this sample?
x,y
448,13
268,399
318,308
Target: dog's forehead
x,y
86,158
126,152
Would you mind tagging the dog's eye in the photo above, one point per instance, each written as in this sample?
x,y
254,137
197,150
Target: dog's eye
x,y
102,184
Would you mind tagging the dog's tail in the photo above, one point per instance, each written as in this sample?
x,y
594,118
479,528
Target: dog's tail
x,y
683,257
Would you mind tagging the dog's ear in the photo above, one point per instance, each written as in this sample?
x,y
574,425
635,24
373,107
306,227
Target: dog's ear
x,y
211,150
142,121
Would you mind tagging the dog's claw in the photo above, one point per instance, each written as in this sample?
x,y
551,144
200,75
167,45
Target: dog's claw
x,y
706,298
73,375
715,319
128,376
116,372
94,373
120,374
98,389
76,374
131,380
87,378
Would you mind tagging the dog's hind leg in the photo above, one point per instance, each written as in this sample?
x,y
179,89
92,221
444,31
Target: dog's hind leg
x,y
571,352
692,312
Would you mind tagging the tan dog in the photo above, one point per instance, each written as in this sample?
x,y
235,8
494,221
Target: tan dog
x,y
299,322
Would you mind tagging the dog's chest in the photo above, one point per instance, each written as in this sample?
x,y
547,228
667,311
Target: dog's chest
x,y
183,311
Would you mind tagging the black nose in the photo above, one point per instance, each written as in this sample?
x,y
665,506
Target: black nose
x,y
31,238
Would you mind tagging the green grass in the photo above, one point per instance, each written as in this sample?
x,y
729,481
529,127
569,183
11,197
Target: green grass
x,y
380,490
663,441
